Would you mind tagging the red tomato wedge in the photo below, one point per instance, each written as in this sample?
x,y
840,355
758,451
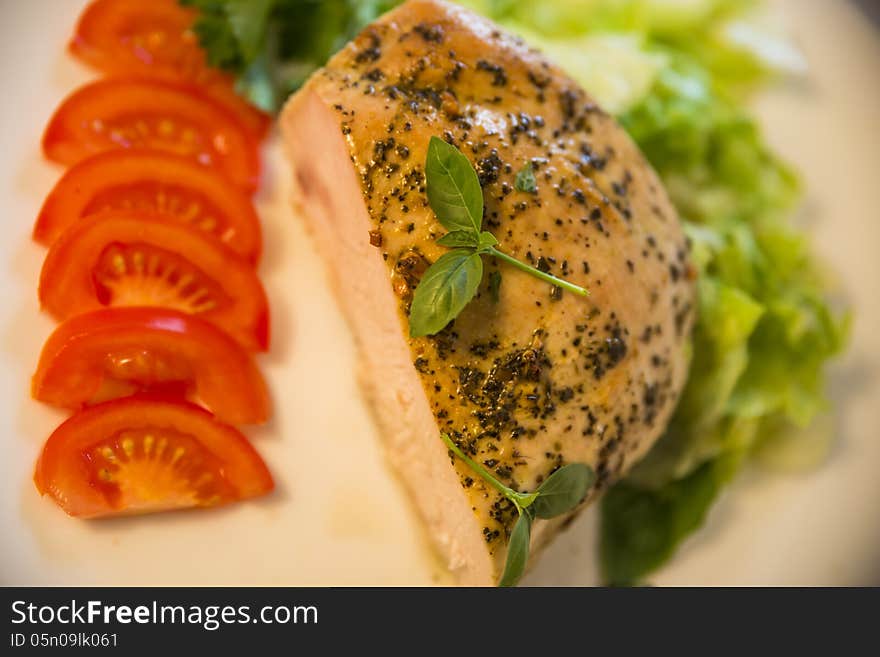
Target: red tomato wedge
x,y
142,455
122,113
116,352
152,181
135,259
153,38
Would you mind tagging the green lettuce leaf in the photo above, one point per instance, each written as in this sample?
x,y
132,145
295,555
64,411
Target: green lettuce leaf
x,y
640,528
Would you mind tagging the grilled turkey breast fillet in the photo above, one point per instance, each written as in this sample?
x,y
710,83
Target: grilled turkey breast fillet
x,y
536,378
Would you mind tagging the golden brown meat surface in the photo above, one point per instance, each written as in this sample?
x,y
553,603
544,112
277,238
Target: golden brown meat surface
x,y
535,378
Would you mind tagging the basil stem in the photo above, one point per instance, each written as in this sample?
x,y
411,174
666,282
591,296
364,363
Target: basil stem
x,y
537,273
520,500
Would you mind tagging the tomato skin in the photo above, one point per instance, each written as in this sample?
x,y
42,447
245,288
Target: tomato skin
x,y
85,187
154,39
65,470
132,112
68,284
151,347
115,35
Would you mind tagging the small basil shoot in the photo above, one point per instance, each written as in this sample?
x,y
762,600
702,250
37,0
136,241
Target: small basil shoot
x,y
525,180
495,286
449,284
560,493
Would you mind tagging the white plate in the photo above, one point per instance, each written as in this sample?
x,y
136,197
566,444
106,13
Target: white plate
x,y
338,516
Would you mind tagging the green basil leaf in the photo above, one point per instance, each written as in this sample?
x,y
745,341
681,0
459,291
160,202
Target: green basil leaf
x,y
525,180
517,550
453,188
464,238
445,289
563,490
486,240
495,286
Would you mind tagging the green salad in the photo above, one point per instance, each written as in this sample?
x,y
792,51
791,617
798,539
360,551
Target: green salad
x,y
678,74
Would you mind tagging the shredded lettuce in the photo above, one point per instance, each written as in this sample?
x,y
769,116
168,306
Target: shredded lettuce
x,y
678,74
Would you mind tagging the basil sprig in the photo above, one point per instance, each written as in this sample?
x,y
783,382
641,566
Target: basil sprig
x,y
560,493
448,285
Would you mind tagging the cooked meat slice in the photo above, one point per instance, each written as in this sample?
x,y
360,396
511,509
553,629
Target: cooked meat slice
x,y
536,378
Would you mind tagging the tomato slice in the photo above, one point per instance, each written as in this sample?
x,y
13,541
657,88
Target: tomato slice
x,y
115,352
121,113
136,259
154,38
156,182
142,455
